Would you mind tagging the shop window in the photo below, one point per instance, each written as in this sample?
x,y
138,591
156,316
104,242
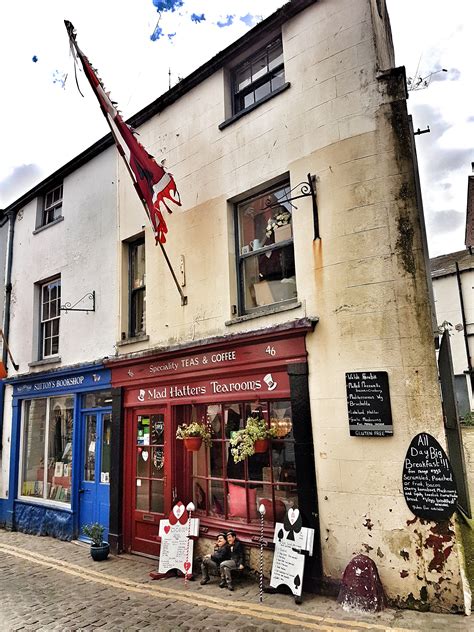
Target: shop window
x,y
50,317
46,459
229,491
259,76
52,205
137,287
266,262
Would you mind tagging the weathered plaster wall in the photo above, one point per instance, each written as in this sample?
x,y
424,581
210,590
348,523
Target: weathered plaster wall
x,y
365,278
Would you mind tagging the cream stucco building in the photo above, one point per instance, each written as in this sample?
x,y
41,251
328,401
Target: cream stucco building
x,y
299,247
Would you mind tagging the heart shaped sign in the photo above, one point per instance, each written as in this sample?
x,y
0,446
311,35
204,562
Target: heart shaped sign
x,y
145,456
187,566
178,510
293,515
167,528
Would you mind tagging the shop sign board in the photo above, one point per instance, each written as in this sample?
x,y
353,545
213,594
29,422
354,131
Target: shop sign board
x,y
259,385
63,383
368,404
213,361
429,486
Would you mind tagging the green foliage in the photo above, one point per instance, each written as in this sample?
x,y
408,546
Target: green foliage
x,y
194,429
95,532
243,442
468,419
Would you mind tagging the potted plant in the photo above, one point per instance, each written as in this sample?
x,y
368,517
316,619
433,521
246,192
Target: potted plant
x,y
193,435
251,439
99,548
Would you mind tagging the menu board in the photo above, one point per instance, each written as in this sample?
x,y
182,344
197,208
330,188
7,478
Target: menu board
x,y
429,486
291,540
176,550
368,404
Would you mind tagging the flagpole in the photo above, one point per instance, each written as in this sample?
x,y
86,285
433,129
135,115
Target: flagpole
x,y
110,112
184,299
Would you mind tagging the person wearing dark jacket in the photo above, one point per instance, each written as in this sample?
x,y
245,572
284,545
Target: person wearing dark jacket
x,y
213,561
236,560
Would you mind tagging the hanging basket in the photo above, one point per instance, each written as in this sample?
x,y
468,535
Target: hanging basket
x,y
193,444
261,446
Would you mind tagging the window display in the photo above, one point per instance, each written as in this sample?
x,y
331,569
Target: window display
x,y
225,489
47,449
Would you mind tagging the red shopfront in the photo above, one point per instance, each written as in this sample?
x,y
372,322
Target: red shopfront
x,y
220,384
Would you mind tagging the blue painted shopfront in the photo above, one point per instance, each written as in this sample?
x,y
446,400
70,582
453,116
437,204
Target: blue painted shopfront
x,y
60,452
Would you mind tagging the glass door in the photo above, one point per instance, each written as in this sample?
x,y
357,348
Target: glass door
x,y
94,503
149,480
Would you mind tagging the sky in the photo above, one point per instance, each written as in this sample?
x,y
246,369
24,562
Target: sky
x,y
46,121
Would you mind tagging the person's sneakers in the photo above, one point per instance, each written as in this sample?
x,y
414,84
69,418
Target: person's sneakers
x,y
223,583
230,587
204,581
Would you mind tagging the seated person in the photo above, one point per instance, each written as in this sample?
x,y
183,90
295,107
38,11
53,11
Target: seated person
x,y
213,561
236,560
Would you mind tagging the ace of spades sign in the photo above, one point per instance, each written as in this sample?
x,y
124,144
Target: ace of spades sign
x,y
290,539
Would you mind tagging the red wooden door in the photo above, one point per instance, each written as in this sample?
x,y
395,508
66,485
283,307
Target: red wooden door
x,y
149,482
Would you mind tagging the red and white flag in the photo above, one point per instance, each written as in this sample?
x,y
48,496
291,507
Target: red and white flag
x,y
152,183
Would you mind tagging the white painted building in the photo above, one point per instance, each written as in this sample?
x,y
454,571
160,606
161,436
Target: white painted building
x,y
62,305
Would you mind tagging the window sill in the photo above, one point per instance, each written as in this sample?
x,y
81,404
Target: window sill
x,y
265,311
53,223
45,502
132,340
52,360
252,107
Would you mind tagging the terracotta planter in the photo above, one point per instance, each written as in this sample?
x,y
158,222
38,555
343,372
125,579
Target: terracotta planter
x,y
261,445
193,444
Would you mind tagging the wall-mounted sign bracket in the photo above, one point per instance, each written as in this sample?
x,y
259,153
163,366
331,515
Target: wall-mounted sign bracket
x,y
301,190
68,307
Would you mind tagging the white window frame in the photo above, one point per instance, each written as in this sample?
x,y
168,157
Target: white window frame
x,y
32,499
48,322
52,208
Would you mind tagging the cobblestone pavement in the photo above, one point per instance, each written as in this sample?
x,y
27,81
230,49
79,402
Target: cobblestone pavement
x,y
48,585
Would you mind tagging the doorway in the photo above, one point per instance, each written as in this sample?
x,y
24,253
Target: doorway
x,y
150,480
94,496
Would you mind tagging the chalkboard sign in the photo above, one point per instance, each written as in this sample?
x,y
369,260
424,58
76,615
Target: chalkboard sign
x,y
368,404
428,480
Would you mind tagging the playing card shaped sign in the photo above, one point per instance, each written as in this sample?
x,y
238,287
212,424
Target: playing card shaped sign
x,y
175,552
291,539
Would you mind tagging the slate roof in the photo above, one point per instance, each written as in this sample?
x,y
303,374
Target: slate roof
x,y
444,265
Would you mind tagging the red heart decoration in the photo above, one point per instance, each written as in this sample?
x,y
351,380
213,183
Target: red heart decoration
x,y
167,528
187,566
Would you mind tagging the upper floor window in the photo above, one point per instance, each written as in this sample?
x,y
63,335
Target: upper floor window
x,y
53,204
258,76
137,287
266,262
50,315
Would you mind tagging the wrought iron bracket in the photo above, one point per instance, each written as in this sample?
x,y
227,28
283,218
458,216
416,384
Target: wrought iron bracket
x,y
302,190
68,307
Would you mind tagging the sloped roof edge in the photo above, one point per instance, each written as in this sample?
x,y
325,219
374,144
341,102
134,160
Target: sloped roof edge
x,y
276,19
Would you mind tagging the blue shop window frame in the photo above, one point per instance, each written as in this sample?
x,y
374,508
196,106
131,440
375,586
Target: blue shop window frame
x,y
40,517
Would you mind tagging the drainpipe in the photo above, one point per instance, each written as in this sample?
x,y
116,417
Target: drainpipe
x,y
463,316
10,216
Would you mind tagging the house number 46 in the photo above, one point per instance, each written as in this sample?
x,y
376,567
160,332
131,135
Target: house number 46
x,y
270,350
